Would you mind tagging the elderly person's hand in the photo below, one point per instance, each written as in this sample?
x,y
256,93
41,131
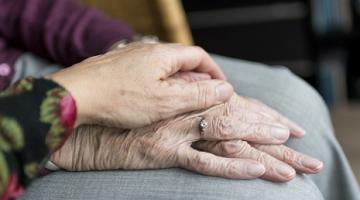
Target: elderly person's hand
x,y
165,144
170,143
281,162
128,87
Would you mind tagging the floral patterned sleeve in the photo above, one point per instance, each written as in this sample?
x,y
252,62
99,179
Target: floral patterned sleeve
x,y
36,117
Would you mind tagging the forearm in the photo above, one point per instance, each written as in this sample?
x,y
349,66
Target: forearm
x,y
36,117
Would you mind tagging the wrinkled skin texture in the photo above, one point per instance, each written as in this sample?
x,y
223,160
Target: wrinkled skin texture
x,y
106,87
237,144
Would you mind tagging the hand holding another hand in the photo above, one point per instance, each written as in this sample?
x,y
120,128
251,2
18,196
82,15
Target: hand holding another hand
x,y
129,87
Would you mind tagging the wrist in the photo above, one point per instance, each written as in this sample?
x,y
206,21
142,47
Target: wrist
x,y
75,102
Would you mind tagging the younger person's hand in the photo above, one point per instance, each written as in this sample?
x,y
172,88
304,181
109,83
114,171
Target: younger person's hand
x,y
129,87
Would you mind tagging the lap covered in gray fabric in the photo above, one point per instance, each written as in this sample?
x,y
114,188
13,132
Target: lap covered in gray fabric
x,y
278,88
164,184
297,100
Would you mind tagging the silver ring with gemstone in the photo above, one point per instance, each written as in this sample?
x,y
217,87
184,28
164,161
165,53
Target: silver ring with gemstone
x,y
203,125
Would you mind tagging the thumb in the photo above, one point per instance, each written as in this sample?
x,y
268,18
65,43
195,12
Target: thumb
x,y
202,94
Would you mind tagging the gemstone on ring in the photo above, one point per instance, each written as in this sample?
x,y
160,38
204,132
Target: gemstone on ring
x,y
203,124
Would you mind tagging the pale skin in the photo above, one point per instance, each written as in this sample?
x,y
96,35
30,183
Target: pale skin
x,y
176,142
106,87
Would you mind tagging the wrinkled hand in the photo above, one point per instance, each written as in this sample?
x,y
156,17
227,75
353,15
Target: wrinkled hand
x,y
280,161
128,87
260,128
169,144
163,145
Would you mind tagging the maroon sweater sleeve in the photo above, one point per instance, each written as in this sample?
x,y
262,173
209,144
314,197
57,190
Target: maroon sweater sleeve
x,y
60,30
8,57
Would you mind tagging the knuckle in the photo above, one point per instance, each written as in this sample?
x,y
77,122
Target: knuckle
x,y
206,95
234,148
289,156
260,132
227,148
262,157
202,163
222,126
258,129
231,169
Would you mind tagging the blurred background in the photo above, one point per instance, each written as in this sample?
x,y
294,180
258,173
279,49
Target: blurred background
x,y
318,40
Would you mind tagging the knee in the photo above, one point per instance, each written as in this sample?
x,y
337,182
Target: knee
x,y
300,88
299,92
304,105
276,86
295,98
299,188
165,184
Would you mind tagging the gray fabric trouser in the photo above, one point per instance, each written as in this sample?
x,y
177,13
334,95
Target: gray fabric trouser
x,y
278,88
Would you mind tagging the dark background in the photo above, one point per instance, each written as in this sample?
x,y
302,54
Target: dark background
x,y
318,40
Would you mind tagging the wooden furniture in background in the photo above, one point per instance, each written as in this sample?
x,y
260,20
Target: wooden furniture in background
x,y
163,18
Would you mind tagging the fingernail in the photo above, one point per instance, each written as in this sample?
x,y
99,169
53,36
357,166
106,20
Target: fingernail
x,y
285,171
280,133
312,163
223,92
255,170
299,131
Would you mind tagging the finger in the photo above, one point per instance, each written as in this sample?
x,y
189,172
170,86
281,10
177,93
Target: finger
x,y
209,164
197,95
253,116
299,161
295,129
192,58
229,128
276,170
189,77
256,117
